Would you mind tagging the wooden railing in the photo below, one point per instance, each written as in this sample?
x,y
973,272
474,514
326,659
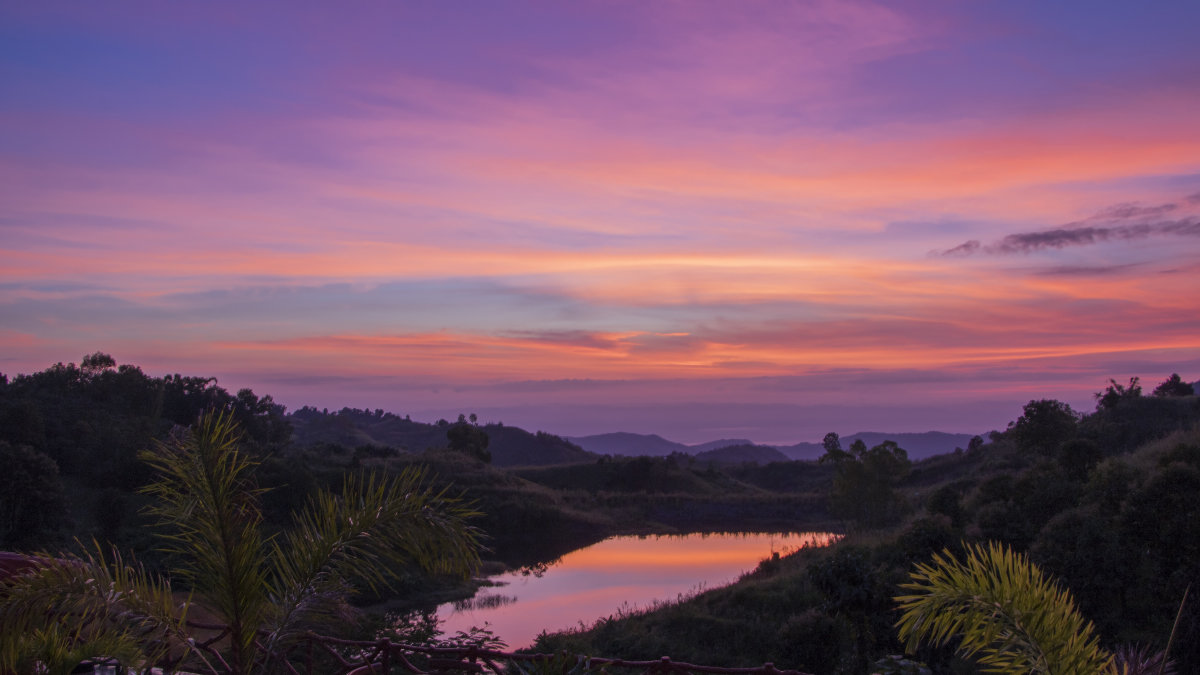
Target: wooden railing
x,y
384,656
318,654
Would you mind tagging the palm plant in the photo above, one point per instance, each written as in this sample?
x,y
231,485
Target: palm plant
x,y
75,607
1003,610
267,590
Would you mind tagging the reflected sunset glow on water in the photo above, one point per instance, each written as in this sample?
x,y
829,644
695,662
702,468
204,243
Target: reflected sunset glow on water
x,y
616,574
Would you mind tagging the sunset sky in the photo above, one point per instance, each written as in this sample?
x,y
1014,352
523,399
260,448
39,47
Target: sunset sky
x,y
762,220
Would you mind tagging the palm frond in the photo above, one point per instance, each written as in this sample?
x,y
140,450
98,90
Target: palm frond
x,y
72,607
1136,659
1003,611
205,498
370,531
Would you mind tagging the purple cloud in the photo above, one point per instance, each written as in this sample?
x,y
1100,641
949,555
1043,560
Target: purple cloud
x,y
963,249
1120,222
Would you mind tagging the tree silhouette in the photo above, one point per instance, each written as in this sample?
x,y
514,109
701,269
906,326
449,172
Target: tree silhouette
x,y
32,501
466,437
1174,386
863,484
1043,426
1115,393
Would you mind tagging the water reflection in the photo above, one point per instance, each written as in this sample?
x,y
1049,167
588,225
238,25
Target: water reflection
x,y
483,600
617,573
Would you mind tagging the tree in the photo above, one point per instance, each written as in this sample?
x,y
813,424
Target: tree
x,y
1161,520
833,449
32,501
466,437
262,419
1078,456
863,482
856,595
975,444
947,501
1174,386
267,590
1087,551
94,364
1114,394
1043,426
1002,610
1013,508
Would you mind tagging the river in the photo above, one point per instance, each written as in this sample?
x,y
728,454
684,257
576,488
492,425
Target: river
x,y
615,575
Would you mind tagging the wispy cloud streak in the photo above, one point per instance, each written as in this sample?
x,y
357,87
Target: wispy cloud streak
x,y
1121,222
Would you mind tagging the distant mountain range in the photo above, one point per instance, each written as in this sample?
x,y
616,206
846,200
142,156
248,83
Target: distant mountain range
x,y
513,446
918,446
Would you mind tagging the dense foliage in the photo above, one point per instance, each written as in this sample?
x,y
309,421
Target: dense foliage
x,y
91,421
267,591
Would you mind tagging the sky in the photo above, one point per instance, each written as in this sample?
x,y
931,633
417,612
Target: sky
x,y
761,220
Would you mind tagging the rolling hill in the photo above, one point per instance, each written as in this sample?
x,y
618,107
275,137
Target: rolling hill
x,y
918,445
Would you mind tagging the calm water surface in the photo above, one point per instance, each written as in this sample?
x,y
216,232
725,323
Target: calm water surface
x,y
617,573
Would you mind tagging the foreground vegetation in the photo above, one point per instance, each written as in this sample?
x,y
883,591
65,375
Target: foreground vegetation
x,y
1106,503
265,592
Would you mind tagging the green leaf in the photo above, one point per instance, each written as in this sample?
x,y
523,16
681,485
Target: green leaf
x,y
1002,611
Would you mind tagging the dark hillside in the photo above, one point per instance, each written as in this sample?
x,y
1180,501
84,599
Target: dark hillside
x,y
650,475
629,445
918,445
739,454
513,446
680,493
785,477
350,427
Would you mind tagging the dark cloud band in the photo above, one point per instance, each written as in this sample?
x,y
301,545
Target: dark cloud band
x,y
1121,222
